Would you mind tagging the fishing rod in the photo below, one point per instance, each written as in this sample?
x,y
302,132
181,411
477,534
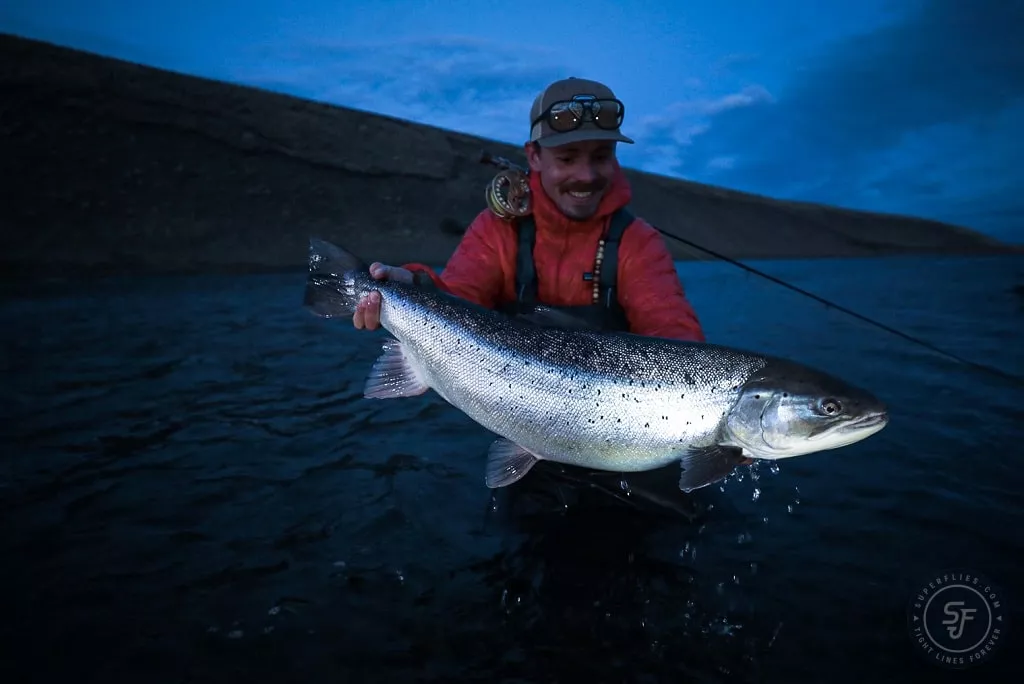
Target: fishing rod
x,y
508,196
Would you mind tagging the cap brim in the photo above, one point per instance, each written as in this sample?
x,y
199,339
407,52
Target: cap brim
x,y
580,135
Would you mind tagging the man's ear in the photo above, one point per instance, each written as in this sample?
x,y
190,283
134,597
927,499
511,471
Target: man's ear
x,y
532,150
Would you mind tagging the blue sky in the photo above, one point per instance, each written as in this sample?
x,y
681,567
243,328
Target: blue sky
x,y
906,106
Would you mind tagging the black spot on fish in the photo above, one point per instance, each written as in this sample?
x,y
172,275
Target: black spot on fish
x,y
647,425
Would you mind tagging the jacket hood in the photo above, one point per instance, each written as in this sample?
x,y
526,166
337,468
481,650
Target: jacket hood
x,y
549,217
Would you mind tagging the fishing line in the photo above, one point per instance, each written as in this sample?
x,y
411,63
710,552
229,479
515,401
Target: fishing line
x,y
910,338
508,195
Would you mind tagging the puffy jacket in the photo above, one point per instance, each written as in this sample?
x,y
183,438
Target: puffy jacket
x,y
483,267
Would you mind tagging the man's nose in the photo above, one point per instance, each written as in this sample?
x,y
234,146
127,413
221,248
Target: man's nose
x,y
587,173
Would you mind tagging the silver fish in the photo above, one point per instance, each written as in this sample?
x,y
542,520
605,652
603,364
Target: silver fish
x,y
602,400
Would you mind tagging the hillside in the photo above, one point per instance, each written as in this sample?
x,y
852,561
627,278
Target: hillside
x,y
113,166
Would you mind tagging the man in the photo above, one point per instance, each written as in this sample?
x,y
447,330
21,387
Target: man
x,y
576,187
590,257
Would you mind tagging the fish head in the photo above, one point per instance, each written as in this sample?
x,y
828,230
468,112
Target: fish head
x,y
787,410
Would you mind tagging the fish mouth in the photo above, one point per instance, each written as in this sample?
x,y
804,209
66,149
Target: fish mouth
x,y
878,420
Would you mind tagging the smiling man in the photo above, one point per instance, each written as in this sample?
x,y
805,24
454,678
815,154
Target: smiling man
x,y
579,251
590,256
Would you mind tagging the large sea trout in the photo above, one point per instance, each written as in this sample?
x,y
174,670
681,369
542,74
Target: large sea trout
x,y
602,400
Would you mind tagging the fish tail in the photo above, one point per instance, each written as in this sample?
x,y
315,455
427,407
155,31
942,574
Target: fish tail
x,y
331,289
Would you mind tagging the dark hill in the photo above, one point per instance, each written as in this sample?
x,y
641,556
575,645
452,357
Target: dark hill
x,y
113,166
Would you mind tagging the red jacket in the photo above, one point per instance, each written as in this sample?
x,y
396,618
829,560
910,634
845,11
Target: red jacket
x,y
483,267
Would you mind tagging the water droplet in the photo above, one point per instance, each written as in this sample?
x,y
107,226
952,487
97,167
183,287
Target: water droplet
x,y
789,508
624,486
756,494
274,611
235,634
753,568
774,467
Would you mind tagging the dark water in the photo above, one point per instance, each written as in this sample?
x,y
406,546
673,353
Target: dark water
x,y
193,489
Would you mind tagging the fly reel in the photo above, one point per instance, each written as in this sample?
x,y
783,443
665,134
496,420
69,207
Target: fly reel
x,y
508,193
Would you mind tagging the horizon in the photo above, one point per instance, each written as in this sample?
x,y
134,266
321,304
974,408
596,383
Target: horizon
x,y
895,108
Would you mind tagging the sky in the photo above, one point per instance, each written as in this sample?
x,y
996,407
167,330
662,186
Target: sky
x,y
905,106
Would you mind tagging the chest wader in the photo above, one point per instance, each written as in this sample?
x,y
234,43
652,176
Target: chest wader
x,y
556,485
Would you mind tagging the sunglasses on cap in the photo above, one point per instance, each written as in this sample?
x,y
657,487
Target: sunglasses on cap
x,y
568,115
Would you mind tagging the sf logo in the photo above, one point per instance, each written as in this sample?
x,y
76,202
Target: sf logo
x,y
958,618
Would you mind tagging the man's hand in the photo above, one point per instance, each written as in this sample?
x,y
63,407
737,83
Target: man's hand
x,y
367,313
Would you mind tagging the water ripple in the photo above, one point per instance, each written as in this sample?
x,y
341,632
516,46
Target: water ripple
x,y
193,485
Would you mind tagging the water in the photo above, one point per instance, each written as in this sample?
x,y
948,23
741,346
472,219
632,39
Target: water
x,y
193,489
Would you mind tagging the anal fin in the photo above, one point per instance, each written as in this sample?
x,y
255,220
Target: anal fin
x,y
507,463
706,465
392,375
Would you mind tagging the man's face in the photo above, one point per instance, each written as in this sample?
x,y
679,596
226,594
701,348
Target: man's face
x,y
575,176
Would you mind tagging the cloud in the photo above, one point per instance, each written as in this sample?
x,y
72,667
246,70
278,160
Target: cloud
x,y
472,85
455,82
922,117
663,139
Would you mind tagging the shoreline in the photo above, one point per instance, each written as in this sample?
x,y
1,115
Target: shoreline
x,y
121,168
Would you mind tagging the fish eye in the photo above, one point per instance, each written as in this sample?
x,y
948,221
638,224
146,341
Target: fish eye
x,y
831,407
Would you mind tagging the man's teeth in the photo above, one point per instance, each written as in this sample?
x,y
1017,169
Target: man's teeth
x,y
581,195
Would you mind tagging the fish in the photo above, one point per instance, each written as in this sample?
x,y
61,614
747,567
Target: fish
x,y
604,400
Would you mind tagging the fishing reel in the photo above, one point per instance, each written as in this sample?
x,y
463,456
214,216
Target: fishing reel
x,y
508,193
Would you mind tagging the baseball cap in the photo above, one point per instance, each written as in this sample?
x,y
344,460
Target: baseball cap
x,y
565,90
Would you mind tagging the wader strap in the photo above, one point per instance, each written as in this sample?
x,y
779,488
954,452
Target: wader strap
x,y
610,262
526,274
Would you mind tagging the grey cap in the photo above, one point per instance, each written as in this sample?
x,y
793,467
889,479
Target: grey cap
x,y
564,90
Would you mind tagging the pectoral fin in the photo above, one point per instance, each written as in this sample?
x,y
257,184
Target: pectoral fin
x,y
706,465
507,463
393,376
